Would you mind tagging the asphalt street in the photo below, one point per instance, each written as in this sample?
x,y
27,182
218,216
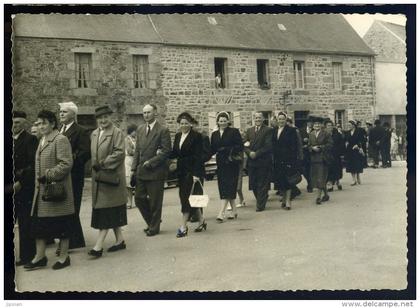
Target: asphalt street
x,y
357,240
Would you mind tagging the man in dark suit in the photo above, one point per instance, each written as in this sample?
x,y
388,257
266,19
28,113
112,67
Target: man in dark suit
x,y
304,133
24,149
149,169
386,146
363,132
258,148
375,136
80,145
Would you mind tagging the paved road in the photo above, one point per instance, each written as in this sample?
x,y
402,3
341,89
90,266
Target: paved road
x,y
355,241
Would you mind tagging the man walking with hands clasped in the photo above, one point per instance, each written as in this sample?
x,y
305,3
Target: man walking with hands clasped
x,y
149,169
258,147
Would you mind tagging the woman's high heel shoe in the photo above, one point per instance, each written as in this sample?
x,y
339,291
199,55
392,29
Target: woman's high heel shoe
x,y
182,233
95,253
201,227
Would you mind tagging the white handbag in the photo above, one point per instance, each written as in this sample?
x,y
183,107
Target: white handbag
x,y
198,200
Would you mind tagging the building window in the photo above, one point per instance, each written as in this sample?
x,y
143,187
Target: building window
x,y
220,72
262,72
83,69
140,71
299,67
266,117
337,68
339,117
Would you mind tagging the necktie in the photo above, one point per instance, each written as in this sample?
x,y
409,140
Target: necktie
x,y
257,129
63,130
148,130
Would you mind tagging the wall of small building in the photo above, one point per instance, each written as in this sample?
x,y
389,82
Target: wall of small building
x,y
44,75
188,82
183,79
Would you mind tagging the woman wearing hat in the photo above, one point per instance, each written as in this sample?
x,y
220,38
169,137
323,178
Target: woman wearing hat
x,y
354,152
109,195
187,149
227,143
320,146
335,167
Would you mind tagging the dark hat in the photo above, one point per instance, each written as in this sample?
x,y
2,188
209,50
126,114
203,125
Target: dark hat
x,y
283,114
19,114
328,120
377,122
186,116
358,122
102,110
353,122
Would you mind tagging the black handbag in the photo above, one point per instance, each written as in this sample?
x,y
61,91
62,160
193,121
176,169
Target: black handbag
x,y
107,177
54,192
293,176
235,157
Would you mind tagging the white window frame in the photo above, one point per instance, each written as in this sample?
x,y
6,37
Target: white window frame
x,y
83,73
337,68
299,73
140,77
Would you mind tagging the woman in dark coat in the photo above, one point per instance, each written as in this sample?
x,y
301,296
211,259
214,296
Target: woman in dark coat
x,y
187,149
335,166
285,152
354,154
109,194
52,219
227,143
320,145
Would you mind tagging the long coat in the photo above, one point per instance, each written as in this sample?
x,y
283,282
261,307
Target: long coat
x,y
227,171
320,160
108,151
354,159
335,169
53,160
147,147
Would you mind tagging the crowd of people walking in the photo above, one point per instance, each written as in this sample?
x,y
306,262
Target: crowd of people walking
x,y
50,164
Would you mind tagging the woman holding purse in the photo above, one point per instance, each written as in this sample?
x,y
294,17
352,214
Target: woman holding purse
x,y
227,143
109,195
53,206
354,153
187,150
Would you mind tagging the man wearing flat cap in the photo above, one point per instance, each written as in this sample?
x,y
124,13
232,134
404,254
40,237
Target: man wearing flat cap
x,y
24,149
149,169
80,145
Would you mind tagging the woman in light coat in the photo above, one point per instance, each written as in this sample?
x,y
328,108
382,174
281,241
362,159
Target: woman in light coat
x,y
53,163
109,194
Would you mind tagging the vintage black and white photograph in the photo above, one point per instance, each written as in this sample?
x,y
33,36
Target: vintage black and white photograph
x,y
209,152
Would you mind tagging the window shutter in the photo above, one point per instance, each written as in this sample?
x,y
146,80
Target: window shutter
x,y
212,122
237,119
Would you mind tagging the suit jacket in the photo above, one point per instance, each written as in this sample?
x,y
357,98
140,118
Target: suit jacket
x,y
108,151
229,143
352,140
324,141
146,150
260,143
189,160
53,160
24,150
386,139
285,149
376,134
305,141
80,147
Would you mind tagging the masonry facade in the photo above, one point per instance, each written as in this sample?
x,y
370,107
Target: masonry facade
x,y
128,75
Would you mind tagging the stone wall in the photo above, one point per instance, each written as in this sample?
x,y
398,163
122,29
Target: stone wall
x,y
44,75
188,84
182,79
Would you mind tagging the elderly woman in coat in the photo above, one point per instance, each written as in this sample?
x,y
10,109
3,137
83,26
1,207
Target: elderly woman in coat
x,y
320,146
52,219
109,195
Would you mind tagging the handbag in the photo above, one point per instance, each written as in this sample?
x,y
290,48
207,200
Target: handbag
x,y
107,177
235,157
54,192
198,200
294,179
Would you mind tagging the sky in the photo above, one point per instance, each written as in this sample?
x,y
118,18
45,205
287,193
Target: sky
x,y
362,22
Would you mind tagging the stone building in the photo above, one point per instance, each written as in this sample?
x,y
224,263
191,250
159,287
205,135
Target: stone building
x,y
388,42
306,64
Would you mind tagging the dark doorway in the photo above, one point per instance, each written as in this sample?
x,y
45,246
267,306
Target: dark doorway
x,y
301,117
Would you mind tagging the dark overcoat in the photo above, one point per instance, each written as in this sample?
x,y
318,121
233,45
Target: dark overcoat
x,y
189,159
354,159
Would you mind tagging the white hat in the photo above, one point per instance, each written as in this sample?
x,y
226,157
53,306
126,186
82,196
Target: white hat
x,y
69,106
